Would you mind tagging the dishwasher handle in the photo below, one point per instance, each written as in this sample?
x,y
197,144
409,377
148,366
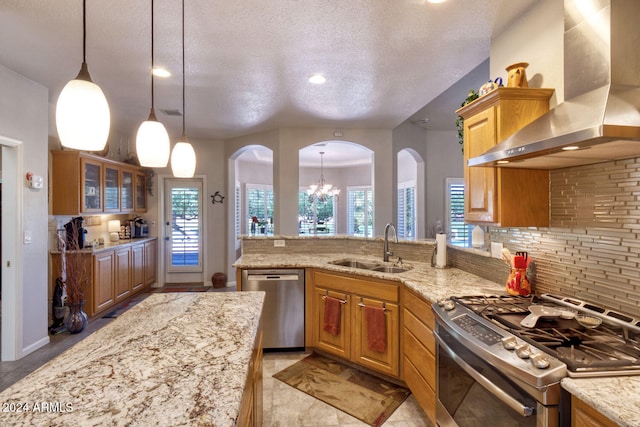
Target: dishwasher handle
x,y
272,277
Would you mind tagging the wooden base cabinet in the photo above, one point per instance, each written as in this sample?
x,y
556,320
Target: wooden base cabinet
x,y
419,351
506,197
123,272
113,274
583,415
251,406
103,280
351,342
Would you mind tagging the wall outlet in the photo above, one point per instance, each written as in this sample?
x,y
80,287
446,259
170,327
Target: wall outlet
x,y
496,250
278,244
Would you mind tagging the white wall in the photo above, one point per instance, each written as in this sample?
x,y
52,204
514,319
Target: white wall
x,y
535,38
24,116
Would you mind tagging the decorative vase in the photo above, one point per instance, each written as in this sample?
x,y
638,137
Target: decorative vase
x,y
77,319
517,77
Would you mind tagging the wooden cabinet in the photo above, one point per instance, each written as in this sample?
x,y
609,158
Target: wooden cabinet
x,y
137,267
150,262
126,190
124,273
115,274
140,191
83,183
251,406
112,184
583,415
505,197
351,342
92,177
419,351
103,280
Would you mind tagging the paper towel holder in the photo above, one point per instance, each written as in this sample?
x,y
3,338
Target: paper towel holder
x,y
434,254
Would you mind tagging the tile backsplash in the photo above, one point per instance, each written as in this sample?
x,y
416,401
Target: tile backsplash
x,y
592,248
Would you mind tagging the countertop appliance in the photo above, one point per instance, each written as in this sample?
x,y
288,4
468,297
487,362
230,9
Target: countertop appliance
x,y
283,312
482,346
139,227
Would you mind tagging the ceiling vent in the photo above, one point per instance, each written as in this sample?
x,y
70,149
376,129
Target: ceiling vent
x,y
172,112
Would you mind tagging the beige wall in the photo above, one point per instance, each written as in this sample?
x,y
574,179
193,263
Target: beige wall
x,y
24,117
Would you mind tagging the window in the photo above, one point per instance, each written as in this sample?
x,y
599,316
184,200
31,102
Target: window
x,y
360,211
455,226
407,211
259,209
238,212
315,216
185,211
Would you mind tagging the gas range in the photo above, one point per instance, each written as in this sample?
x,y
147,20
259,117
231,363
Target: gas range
x,y
553,343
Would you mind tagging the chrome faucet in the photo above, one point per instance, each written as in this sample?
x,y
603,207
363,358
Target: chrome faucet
x,y
387,253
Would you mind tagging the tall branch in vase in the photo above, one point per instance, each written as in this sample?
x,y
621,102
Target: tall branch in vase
x,y
76,273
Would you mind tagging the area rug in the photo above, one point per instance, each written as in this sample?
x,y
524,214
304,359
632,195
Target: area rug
x,y
361,395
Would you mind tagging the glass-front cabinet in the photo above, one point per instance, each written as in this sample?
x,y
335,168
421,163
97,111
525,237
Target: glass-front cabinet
x,y
92,188
140,192
83,183
111,188
126,191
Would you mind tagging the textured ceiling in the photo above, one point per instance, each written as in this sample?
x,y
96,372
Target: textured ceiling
x,y
247,62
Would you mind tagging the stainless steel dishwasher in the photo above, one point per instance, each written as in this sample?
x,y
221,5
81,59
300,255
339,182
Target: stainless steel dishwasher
x,y
283,312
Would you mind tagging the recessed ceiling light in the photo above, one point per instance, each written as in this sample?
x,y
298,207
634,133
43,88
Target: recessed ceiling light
x,y
571,148
161,72
436,1
317,79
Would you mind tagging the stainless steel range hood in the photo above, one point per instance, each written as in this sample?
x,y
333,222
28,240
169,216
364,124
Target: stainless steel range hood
x,y
600,117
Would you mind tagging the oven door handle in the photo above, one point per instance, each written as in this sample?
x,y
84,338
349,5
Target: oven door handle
x,y
523,410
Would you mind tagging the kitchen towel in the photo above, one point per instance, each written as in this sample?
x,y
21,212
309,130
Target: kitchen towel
x,y
441,250
332,309
376,331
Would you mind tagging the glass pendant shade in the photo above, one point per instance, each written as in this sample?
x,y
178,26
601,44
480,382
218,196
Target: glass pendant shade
x,y
183,159
152,143
82,116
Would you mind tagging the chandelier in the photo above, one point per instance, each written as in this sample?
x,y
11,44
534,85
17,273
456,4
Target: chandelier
x,y
322,190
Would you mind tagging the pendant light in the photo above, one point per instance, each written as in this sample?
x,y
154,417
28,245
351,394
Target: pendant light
x,y
152,140
82,112
183,157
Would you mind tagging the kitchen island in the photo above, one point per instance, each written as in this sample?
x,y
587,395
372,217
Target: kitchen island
x,y
174,359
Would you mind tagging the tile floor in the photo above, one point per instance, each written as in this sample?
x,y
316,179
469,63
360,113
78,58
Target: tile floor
x,y
284,406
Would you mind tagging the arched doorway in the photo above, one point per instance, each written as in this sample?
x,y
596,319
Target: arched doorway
x,y
410,195
348,167
251,208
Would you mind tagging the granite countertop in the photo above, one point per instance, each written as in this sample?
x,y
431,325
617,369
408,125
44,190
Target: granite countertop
x,y
617,398
434,284
112,245
173,359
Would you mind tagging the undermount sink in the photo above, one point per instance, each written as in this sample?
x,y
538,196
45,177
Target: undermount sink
x,y
370,265
353,263
391,269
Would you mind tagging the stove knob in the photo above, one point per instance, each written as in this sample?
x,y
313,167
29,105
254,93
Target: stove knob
x,y
449,305
523,351
540,360
509,342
